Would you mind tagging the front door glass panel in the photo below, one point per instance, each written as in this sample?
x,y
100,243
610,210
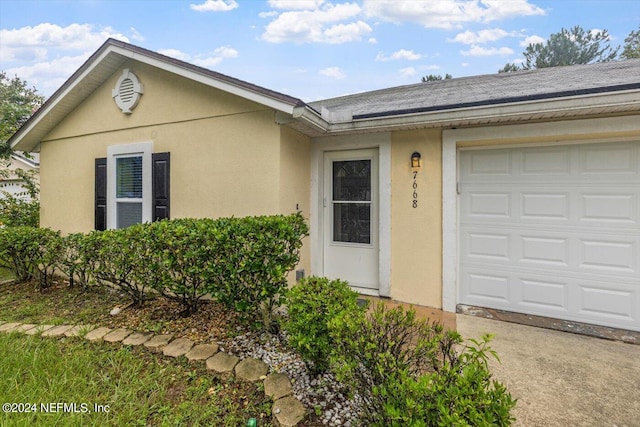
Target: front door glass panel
x,y
352,201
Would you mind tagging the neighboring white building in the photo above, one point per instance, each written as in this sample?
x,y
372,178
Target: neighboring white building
x,y
13,184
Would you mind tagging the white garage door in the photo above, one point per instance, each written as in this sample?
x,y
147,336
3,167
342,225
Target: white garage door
x,y
553,231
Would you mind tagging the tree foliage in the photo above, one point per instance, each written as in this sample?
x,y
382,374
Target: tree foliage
x,y
631,47
17,103
436,77
567,47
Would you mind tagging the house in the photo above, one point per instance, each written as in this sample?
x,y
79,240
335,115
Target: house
x,y
11,182
516,191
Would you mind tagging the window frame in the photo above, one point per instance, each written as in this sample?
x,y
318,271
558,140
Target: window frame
x,y
145,150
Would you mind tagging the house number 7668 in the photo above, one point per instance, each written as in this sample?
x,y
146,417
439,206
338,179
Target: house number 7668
x,y
415,190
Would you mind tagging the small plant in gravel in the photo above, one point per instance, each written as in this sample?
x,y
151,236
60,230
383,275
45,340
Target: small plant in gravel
x,y
311,305
407,371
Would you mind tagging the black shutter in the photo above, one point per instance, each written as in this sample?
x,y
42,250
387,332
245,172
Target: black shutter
x,y
161,188
100,221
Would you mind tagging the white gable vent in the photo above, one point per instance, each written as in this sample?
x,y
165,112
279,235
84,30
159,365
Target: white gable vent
x,y
127,91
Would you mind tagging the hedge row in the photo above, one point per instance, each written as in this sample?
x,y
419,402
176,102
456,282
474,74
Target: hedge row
x,y
243,262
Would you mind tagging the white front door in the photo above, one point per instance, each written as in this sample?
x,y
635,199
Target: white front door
x,y
350,218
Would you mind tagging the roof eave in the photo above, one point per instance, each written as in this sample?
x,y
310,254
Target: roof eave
x,y
572,107
78,87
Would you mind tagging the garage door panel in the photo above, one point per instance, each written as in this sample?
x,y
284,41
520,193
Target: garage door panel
x,y
554,233
489,205
609,256
613,304
488,287
546,161
545,250
609,160
609,207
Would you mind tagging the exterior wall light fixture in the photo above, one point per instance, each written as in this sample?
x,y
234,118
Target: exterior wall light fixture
x,y
415,160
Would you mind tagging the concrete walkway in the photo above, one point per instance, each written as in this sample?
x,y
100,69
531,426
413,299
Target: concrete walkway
x,y
287,410
563,379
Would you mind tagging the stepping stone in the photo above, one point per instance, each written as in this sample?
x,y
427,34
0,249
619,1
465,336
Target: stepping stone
x,y
24,327
39,329
178,347
76,330
222,363
277,386
251,369
56,331
116,335
289,411
137,338
97,334
202,351
8,327
156,343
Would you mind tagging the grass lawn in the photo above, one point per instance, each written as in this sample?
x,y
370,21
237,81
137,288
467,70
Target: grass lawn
x,y
136,387
139,387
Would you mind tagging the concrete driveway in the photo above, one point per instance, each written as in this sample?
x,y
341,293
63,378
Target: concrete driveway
x,y
563,379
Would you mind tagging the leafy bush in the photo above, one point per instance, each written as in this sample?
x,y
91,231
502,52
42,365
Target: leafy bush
x,y
408,372
30,253
254,256
50,247
179,257
119,260
15,211
311,305
78,260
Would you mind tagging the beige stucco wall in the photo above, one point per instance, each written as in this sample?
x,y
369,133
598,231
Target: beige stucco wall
x,y
225,152
295,182
416,233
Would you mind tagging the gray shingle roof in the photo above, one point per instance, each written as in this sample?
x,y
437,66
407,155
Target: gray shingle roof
x,y
489,89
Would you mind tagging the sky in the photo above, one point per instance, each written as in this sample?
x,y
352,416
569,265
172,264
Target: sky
x,y
309,49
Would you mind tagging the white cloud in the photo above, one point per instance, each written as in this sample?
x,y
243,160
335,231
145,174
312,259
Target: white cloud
x,y
372,40
447,14
482,36
295,4
35,42
481,51
408,72
323,25
48,76
400,55
226,52
333,72
175,53
204,60
268,14
135,35
531,40
215,6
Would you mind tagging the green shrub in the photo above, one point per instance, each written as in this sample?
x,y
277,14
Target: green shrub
x,y
408,372
50,248
19,251
254,256
78,260
119,260
15,212
179,257
311,305
30,253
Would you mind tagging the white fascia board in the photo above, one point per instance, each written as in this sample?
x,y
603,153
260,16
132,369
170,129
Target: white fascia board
x,y
628,100
242,92
42,113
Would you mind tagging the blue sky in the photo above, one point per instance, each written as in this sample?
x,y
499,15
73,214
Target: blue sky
x,y
311,49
